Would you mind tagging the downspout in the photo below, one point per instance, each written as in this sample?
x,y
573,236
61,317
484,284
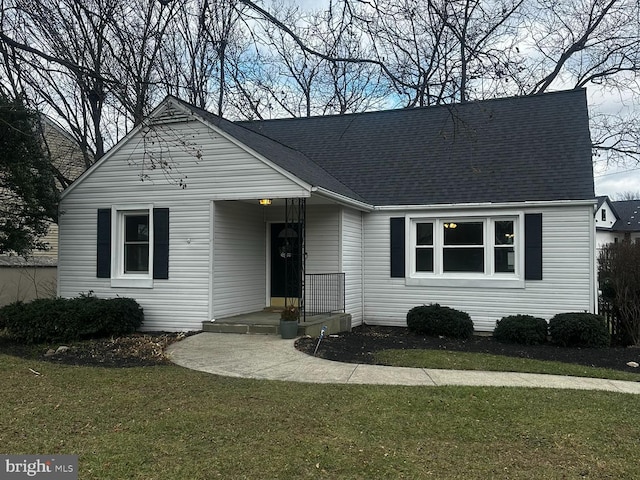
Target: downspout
x,y
594,263
362,269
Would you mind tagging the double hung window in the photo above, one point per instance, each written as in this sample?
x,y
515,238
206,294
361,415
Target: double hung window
x,y
136,242
133,245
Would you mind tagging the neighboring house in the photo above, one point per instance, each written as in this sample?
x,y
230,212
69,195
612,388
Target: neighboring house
x,y
617,221
35,277
487,207
605,218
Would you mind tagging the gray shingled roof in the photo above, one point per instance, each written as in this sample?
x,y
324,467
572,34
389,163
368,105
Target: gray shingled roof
x,y
601,199
628,213
535,148
501,150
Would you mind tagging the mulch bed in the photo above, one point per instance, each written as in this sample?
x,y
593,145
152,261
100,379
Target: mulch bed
x,y
357,346
135,350
361,344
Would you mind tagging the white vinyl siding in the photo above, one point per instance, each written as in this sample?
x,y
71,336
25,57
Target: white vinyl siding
x,y
567,283
352,256
239,266
223,170
323,239
179,303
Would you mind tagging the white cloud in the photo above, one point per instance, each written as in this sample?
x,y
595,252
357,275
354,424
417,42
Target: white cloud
x,y
617,180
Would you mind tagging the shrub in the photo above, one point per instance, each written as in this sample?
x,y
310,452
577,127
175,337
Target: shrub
x,y
619,276
579,330
61,319
435,320
522,329
290,313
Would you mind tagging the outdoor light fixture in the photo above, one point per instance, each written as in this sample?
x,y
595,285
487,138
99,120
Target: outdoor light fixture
x,y
265,201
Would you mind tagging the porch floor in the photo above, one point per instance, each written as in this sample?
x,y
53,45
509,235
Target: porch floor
x,y
267,322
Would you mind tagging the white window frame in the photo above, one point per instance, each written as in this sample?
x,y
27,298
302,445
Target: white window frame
x,y
119,278
488,278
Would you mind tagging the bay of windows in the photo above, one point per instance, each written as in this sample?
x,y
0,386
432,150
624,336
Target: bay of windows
x,y
484,246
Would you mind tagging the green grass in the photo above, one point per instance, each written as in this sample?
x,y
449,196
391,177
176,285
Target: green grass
x,y
172,423
499,363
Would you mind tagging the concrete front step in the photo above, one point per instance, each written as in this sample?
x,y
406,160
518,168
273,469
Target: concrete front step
x,y
336,323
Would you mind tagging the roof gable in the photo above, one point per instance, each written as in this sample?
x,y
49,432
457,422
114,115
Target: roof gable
x,y
290,159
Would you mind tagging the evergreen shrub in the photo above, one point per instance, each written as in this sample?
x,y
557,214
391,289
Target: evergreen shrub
x,y
63,320
521,329
435,320
579,330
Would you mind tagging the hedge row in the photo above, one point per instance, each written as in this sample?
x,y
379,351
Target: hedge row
x,y
63,320
565,329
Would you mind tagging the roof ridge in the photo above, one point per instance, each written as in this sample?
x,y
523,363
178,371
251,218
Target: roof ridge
x,y
415,109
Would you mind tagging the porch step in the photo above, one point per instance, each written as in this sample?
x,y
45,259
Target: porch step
x,y
336,323
234,327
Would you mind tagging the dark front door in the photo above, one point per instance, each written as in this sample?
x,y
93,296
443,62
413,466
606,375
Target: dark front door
x,y
285,262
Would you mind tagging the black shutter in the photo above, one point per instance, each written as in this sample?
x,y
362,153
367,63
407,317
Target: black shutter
x,y
533,246
161,243
397,247
103,254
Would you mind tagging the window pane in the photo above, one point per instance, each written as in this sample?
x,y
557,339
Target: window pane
x,y
505,260
424,234
137,228
504,233
424,259
469,233
463,259
136,258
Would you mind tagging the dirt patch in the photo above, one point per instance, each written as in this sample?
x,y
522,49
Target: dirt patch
x,y
135,350
361,345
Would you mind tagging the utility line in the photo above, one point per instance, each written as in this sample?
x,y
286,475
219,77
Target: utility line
x,y
617,173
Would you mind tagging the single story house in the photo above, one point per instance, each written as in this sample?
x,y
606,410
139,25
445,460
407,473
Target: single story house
x,y
616,221
486,206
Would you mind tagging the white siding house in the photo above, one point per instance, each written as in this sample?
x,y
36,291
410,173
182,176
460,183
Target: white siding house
x,y
567,283
616,221
403,206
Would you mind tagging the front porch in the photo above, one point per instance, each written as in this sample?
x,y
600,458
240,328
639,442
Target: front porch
x,y
267,322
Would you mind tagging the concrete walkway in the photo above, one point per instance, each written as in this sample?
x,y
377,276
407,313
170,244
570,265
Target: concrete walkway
x,y
269,357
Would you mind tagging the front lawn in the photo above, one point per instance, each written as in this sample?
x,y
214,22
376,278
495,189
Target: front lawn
x,y
451,360
165,422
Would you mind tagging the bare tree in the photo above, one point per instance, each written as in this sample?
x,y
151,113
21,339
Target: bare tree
x,y
137,32
100,65
75,88
629,195
346,87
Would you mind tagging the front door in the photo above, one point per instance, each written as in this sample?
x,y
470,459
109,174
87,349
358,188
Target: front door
x,y
285,263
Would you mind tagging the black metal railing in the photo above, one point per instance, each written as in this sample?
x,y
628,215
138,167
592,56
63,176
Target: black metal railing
x,y
324,293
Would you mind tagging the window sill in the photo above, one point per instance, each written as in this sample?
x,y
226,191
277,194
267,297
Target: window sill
x,y
479,282
132,282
